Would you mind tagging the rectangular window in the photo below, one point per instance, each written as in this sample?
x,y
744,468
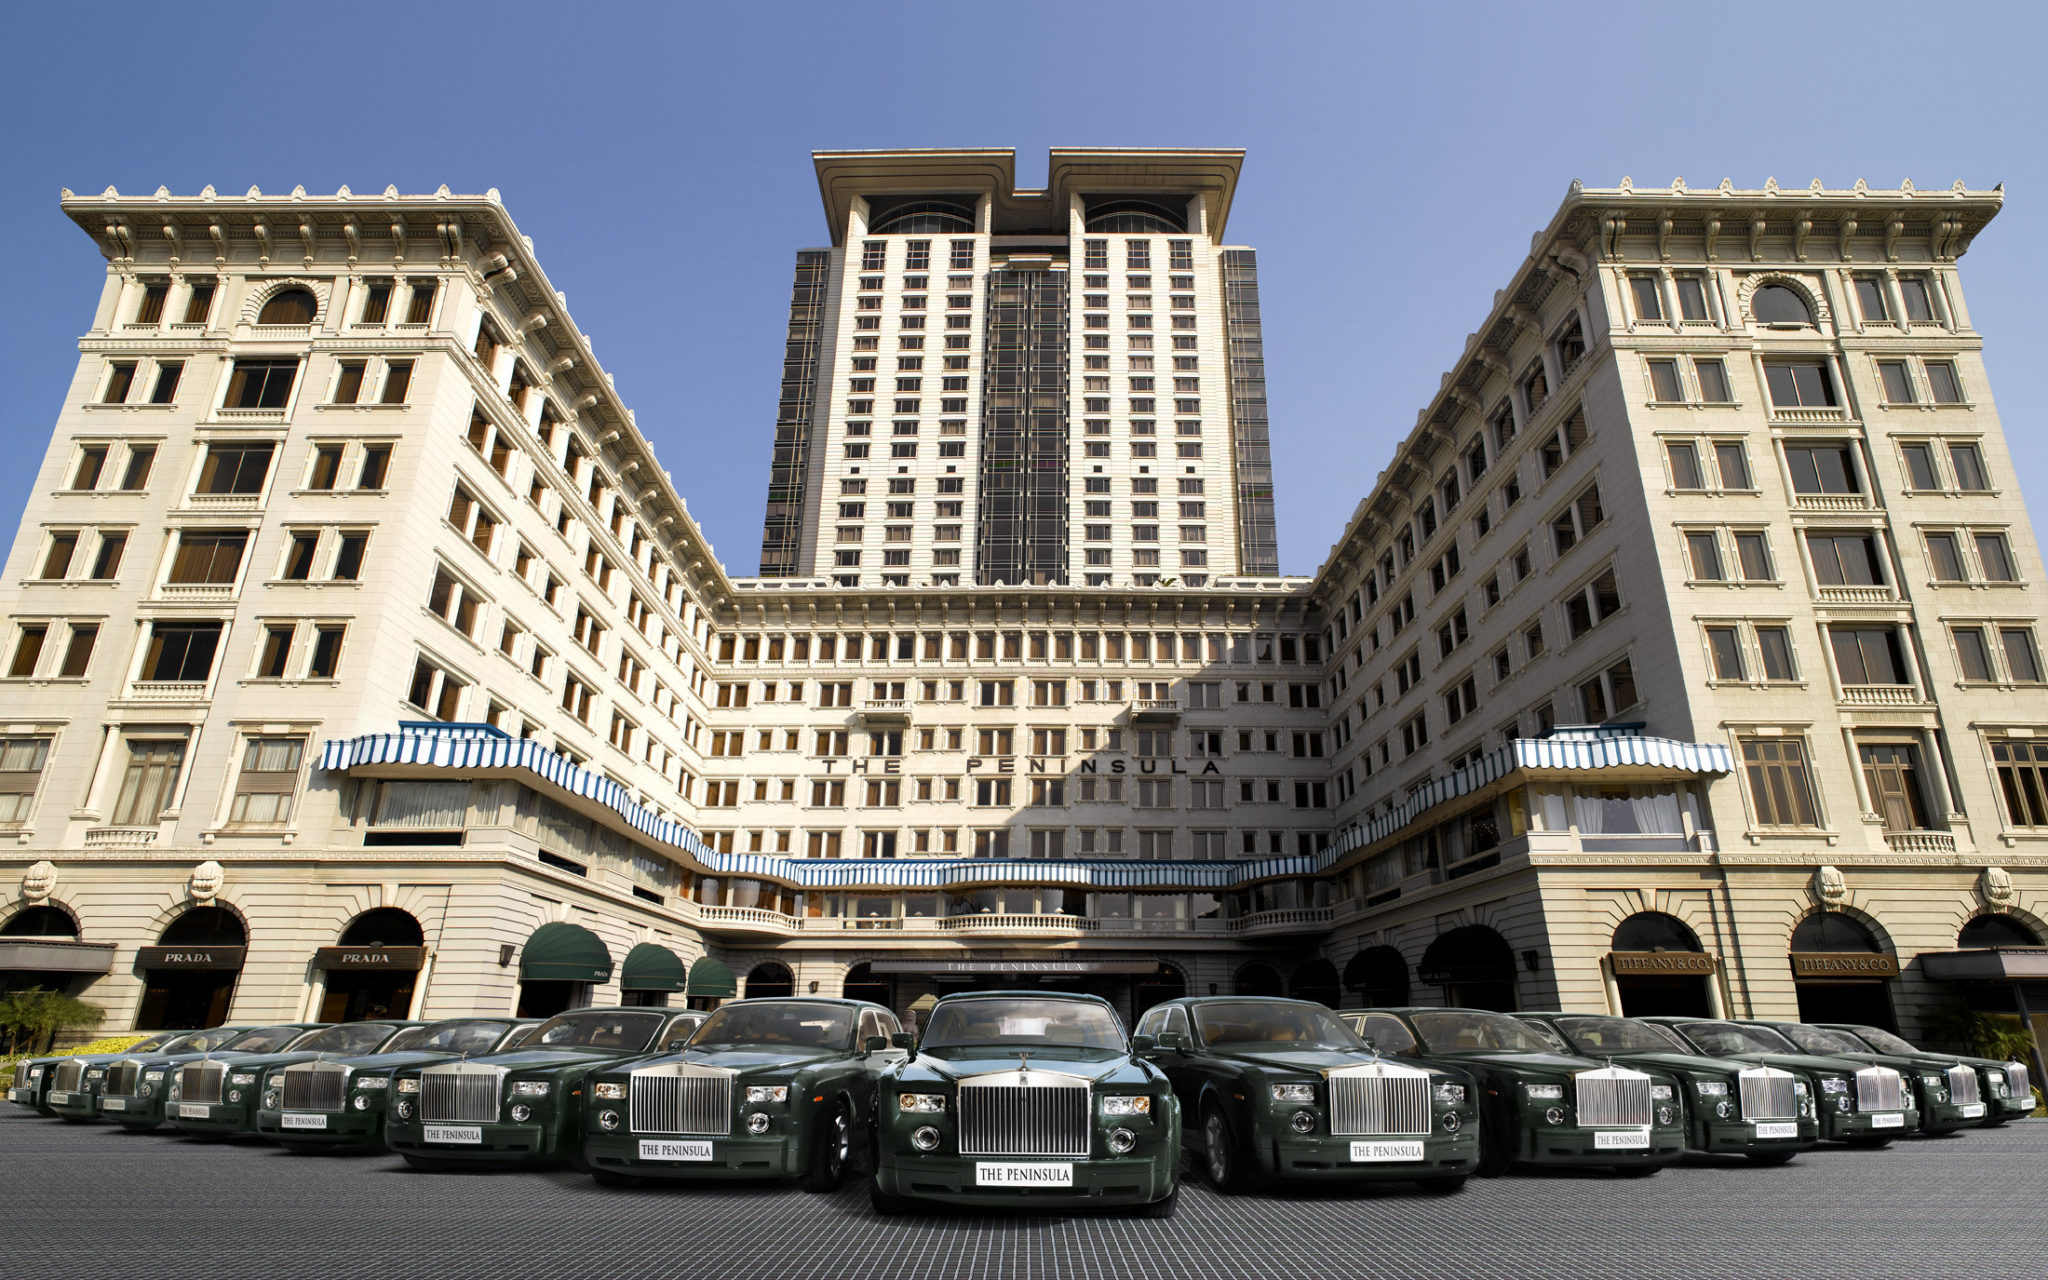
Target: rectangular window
x,y
1692,298
348,383
1713,376
1973,653
1869,656
261,384
397,379
21,768
1725,644
1685,465
1664,384
165,389
1823,468
1898,385
149,781
268,780
1969,468
1774,644
78,653
208,558
1780,785
1647,297
1871,300
420,306
1734,464
235,469
120,378
1799,384
1996,558
2022,765
1920,472
1703,550
28,650
2022,657
1847,559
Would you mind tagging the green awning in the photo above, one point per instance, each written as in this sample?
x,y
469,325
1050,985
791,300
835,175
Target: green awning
x,y
712,978
652,967
564,953
924,1004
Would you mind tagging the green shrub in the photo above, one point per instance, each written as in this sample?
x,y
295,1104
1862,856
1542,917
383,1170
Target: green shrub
x,y
31,1019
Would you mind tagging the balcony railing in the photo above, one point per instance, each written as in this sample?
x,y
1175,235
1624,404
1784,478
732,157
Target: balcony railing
x,y
1939,842
225,501
1880,695
1830,502
1288,921
1815,413
168,690
189,592
120,837
1857,595
1155,710
885,711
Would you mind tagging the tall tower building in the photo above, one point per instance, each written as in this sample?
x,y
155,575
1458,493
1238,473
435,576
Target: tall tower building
x,y
987,385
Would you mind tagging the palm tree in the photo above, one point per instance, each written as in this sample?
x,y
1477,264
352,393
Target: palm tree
x,y
33,1017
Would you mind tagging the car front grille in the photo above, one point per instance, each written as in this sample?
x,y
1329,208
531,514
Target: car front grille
x,y
1613,1096
201,1081
1962,1085
314,1086
1879,1089
68,1075
21,1074
681,1098
1034,1113
122,1078
2016,1079
460,1093
1378,1099
1767,1095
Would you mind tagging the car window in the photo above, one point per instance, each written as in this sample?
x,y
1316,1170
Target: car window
x,y
1023,1022
1881,1040
1386,1032
1730,1037
890,1026
1268,1022
1177,1022
628,1032
1823,1041
1153,1022
1618,1035
457,1037
262,1040
870,1025
1452,1029
1549,1033
777,1022
349,1038
197,1042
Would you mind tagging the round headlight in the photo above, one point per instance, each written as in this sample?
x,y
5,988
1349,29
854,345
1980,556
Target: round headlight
x,y
521,1113
1121,1141
234,1095
1723,1109
404,1109
1453,1122
361,1103
1302,1121
1842,1103
177,1088
1665,1115
925,1138
607,1120
145,1091
270,1099
1555,1115
758,1122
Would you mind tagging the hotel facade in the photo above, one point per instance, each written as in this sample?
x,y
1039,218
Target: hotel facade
x,y
361,657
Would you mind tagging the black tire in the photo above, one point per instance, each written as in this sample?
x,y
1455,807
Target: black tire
x,y
1223,1161
883,1203
1447,1186
1768,1158
426,1164
1165,1208
1494,1156
608,1178
831,1151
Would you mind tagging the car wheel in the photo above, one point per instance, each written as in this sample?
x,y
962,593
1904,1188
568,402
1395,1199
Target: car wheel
x,y
1442,1186
426,1164
885,1204
1494,1155
831,1152
1771,1157
1221,1159
607,1178
1165,1208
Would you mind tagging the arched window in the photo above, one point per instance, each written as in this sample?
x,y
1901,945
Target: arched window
x,y
41,922
289,306
384,927
1984,931
1136,217
1832,931
925,217
1654,931
1380,975
1168,984
863,983
1317,981
205,927
770,979
1779,304
1257,980
1475,967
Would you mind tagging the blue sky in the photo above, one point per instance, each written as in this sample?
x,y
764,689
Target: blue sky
x,y
1400,157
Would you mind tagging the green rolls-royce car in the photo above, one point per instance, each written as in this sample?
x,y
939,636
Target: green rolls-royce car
x,y
335,1102
137,1088
1027,1099
1536,1104
207,1104
523,1106
1283,1088
765,1089
1859,1103
1947,1090
34,1078
2003,1087
1738,1108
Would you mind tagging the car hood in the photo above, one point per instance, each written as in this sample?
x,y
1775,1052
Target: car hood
x,y
1802,1062
1681,1062
1098,1066
1309,1060
1514,1060
393,1061
754,1057
554,1059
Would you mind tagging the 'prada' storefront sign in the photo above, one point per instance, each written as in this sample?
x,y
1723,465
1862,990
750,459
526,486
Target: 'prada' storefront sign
x,y
1648,963
1844,964
194,957
357,958
1135,967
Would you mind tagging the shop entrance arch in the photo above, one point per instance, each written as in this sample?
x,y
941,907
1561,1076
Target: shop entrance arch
x,y
373,969
1660,968
1474,966
1379,975
1842,971
188,977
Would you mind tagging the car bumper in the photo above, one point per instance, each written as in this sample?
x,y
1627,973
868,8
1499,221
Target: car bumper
x,y
28,1096
1570,1145
688,1159
340,1127
1745,1136
1381,1159
220,1117
2012,1108
1854,1126
1947,1117
495,1143
1095,1184
76,1105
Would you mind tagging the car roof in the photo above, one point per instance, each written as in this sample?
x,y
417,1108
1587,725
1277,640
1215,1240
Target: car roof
x,y
1193,1000
1080,997
831,1000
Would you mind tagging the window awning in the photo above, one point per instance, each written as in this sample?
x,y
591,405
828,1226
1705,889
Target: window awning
x,y
653,967
561,952
713,979
55,955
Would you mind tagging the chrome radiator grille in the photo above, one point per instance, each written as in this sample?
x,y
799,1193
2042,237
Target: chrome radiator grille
x,y
680,1100
1372,1102
1024,1119
1612,1096
1879,1089
122,1078
201,1081
2016,1079
314,1086
465,1095
21,1074
1767,1095
68,1076
1962,1085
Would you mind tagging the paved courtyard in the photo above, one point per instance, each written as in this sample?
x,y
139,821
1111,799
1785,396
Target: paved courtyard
x,y
94,1201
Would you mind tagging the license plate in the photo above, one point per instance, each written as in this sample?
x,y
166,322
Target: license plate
x,y
193,1111
1888,1120
468,1133
113,1104
1766,1129
300,1120
654,1149
57,1096
1051,1173
1621,1140
1373,1152
1971,1110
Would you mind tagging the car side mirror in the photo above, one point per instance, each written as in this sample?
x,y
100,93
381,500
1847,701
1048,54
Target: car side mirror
x,y
677,1043
1173,1041
1370,1042
902,1040
1143,1044
874,1044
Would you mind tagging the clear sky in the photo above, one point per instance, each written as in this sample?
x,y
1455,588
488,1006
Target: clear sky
x,y
1400,158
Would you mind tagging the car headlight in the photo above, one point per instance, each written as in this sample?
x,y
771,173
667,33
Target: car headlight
x,y
1660,1092
1294,1093
373,1082
1713,1088
1799,1088
177,1088
1127,1105
361,1103
1452,1122
608,1120
144,1090
1554,1115
1666,1115
404,1109
1450,1094
36,1073
1545,1092
521,1113
270,1099
1724,1108
242,1077
157,1074
610,1089
767,1093
234,1095
758,1122
1121,1141
925,1138
921,1103
1834,1084
95,1074
529,1088
411,1085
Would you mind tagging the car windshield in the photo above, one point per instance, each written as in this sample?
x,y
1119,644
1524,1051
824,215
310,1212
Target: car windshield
x,y
193,1042
1618,1035
1264,1022
261,1040
1730,1037
1881,1040
348,1038
1823,1041
155,1042
1024,1023
1454,1029
454,1037
777,1022
627,1031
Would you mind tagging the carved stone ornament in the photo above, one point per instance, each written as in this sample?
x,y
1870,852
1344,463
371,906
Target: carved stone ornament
x,y
206,881
1829,887
1994,883
40,881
